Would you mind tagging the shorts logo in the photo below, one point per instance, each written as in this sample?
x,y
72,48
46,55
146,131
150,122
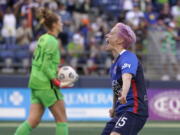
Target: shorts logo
x,y
126,65
121,122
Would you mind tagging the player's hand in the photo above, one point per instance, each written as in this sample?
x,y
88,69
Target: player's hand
x,y
122,98
111,112
67,84
60,84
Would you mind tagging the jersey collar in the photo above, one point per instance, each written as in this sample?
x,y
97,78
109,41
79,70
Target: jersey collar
x,y
122,51
119,55
52,35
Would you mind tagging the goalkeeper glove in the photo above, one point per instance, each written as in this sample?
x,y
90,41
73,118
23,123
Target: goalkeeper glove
x,y
60,84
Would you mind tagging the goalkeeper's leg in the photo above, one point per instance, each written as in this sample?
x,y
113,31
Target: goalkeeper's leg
x,y
36,112
59,113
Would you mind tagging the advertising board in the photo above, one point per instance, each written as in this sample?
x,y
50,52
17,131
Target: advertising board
x,y
84,104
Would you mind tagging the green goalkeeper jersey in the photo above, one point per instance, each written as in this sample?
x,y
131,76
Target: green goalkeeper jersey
x,y
46,59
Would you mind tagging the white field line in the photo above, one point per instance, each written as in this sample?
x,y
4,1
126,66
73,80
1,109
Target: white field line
x,y
95,125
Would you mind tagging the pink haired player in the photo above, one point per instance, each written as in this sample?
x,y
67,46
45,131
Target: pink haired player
x,y
130,107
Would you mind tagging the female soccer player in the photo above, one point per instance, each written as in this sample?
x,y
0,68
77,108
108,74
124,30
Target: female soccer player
x,y
43,79
130,108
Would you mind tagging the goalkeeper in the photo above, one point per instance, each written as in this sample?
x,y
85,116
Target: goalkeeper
x,y
43,83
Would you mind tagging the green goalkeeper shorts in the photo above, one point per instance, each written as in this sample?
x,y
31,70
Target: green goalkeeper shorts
x,y
46,97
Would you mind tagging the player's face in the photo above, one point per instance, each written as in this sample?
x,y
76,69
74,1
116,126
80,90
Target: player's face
x,y
58,26
112,39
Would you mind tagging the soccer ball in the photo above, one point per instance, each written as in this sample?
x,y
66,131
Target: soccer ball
x,y
67,73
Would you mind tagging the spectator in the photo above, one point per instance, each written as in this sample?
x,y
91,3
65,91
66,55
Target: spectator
x,y
26,5
71,7
159,4
75,49
165,14
53,5
24,34
175,11
9,28
83,6
81,12
98,29
150,15
3,4
84,30
8,66
92,60
169,52
127,5
65,15
67,21
141,33
133,17
83,20
24,37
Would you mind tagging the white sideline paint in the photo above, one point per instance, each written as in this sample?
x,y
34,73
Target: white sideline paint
x,y
87,112
12,113
94,125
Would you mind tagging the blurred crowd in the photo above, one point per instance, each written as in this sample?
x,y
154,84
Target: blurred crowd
x,y
85,24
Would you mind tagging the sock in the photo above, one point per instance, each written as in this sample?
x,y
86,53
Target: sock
x,y
24,129
61,128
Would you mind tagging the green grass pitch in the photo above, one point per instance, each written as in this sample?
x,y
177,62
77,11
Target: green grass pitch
x,y
93,128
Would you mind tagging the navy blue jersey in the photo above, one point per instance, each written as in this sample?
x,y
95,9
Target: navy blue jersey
x,y
127,62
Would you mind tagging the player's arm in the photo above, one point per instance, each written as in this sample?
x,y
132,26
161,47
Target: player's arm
x,y
126,78
47,66
52,74
112,110
58,83
128,68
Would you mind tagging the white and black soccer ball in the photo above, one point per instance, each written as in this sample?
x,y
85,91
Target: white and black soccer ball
x,y
67,73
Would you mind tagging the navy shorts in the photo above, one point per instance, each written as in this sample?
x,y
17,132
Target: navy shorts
x,y
127,124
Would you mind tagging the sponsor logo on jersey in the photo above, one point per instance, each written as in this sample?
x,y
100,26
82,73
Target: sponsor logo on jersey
x,y
126,65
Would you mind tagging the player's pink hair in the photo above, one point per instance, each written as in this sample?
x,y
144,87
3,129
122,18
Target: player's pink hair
x,y
127,34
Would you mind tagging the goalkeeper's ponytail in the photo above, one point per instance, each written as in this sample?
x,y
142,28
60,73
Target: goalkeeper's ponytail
x,y
47,18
